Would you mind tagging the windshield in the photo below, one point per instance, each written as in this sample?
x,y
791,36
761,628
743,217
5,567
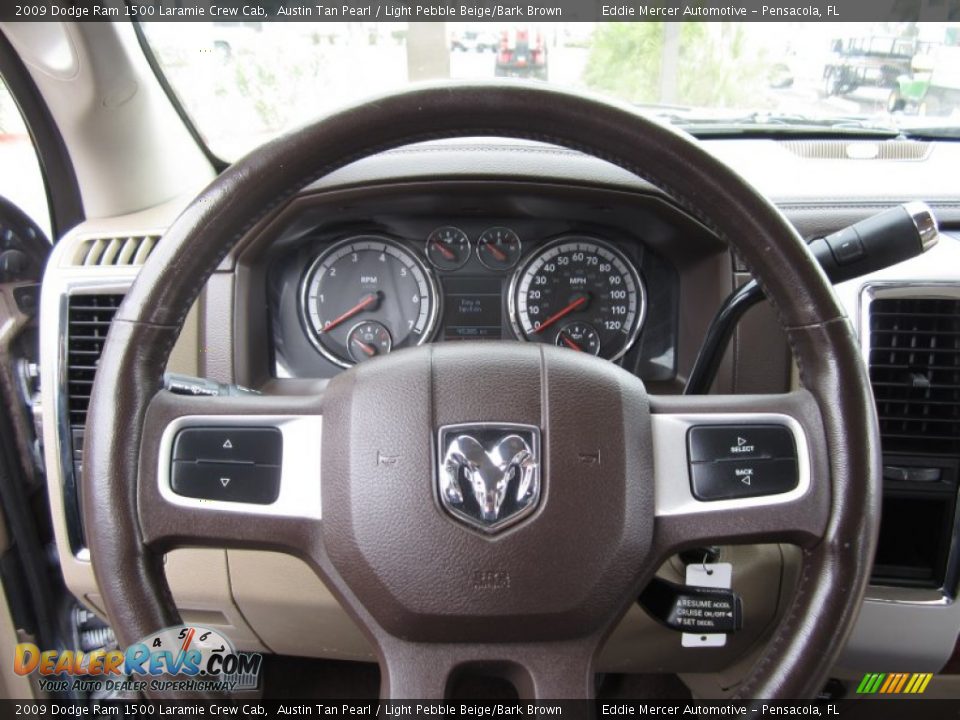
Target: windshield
x,y
243,83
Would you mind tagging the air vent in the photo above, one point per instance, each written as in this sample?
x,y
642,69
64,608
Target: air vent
x,y
915,371
88,321
119,251
859,150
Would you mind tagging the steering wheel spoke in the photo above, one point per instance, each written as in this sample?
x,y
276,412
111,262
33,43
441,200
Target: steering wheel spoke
x,y
241,471
736,469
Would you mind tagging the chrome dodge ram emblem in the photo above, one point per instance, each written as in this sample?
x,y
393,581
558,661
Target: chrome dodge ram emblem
x,y
489,474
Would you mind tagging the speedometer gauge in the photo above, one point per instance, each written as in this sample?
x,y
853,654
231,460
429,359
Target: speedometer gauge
x,y
365,296
580,293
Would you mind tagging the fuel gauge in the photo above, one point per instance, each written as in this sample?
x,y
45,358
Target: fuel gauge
x,y
448,248
498,248
367,340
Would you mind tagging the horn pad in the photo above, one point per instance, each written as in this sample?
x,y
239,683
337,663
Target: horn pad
x,y
488,474
573,548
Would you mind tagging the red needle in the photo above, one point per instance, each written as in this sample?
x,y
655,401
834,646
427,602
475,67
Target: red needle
x,y
498,253
359,307
368,349
444,250
570,343
562,313
186,643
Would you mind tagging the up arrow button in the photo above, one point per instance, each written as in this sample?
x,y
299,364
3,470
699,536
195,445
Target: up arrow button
x,y
257,445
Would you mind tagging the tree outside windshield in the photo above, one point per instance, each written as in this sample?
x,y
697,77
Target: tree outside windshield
x,y
244,83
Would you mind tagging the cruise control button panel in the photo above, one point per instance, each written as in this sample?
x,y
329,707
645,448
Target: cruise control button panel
x,y
229,464
741,461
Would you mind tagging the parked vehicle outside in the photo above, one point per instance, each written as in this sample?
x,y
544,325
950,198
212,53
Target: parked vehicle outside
x,y
932,87
522,53
866,61
473,41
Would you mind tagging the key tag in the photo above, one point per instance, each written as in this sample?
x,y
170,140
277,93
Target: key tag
x,y
715,575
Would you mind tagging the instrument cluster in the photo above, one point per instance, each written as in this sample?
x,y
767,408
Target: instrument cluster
x,y
363,293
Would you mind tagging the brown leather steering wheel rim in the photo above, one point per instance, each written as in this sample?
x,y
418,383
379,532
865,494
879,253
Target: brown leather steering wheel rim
x,y
835,571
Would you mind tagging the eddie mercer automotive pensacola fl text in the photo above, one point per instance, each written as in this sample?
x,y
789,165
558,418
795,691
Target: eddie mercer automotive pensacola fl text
x,y
431,366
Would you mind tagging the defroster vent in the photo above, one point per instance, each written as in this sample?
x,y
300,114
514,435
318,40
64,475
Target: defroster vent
x,y
915,372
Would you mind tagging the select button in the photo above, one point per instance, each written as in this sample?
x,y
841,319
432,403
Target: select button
x,y
229,482
730,479
709,443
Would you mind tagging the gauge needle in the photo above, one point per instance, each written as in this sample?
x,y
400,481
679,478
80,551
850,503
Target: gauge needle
x,y
367,301
562,313
186,644
497,252
444,250
570,343
368,349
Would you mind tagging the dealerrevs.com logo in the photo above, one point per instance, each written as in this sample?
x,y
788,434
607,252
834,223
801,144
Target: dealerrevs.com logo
x,y
182,658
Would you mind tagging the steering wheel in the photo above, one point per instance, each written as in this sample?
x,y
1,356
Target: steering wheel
x,y
359,498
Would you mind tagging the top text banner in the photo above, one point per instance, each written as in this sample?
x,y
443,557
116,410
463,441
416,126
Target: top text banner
x,y
481,10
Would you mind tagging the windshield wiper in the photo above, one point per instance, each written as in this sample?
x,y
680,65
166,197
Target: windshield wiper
x,y
933,132
772,123
722,123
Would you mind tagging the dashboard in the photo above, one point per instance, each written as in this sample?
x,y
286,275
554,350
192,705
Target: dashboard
x,y
390,275
436,213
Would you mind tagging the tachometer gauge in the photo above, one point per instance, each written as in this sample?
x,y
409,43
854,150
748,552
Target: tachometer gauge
x,y
579,291
371,289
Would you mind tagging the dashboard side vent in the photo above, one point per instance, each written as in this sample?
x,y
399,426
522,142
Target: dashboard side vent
x,y
88,320
860,150
118,251
915,371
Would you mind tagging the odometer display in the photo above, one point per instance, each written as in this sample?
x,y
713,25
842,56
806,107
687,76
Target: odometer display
x,y
367,284
579,280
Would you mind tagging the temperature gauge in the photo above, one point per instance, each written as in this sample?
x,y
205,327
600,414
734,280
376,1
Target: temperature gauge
x,y
579,336
448,248
498,248
367,340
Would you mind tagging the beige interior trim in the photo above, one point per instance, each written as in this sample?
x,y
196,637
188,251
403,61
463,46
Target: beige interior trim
x,y
12,686
128,147
201,585
293,611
